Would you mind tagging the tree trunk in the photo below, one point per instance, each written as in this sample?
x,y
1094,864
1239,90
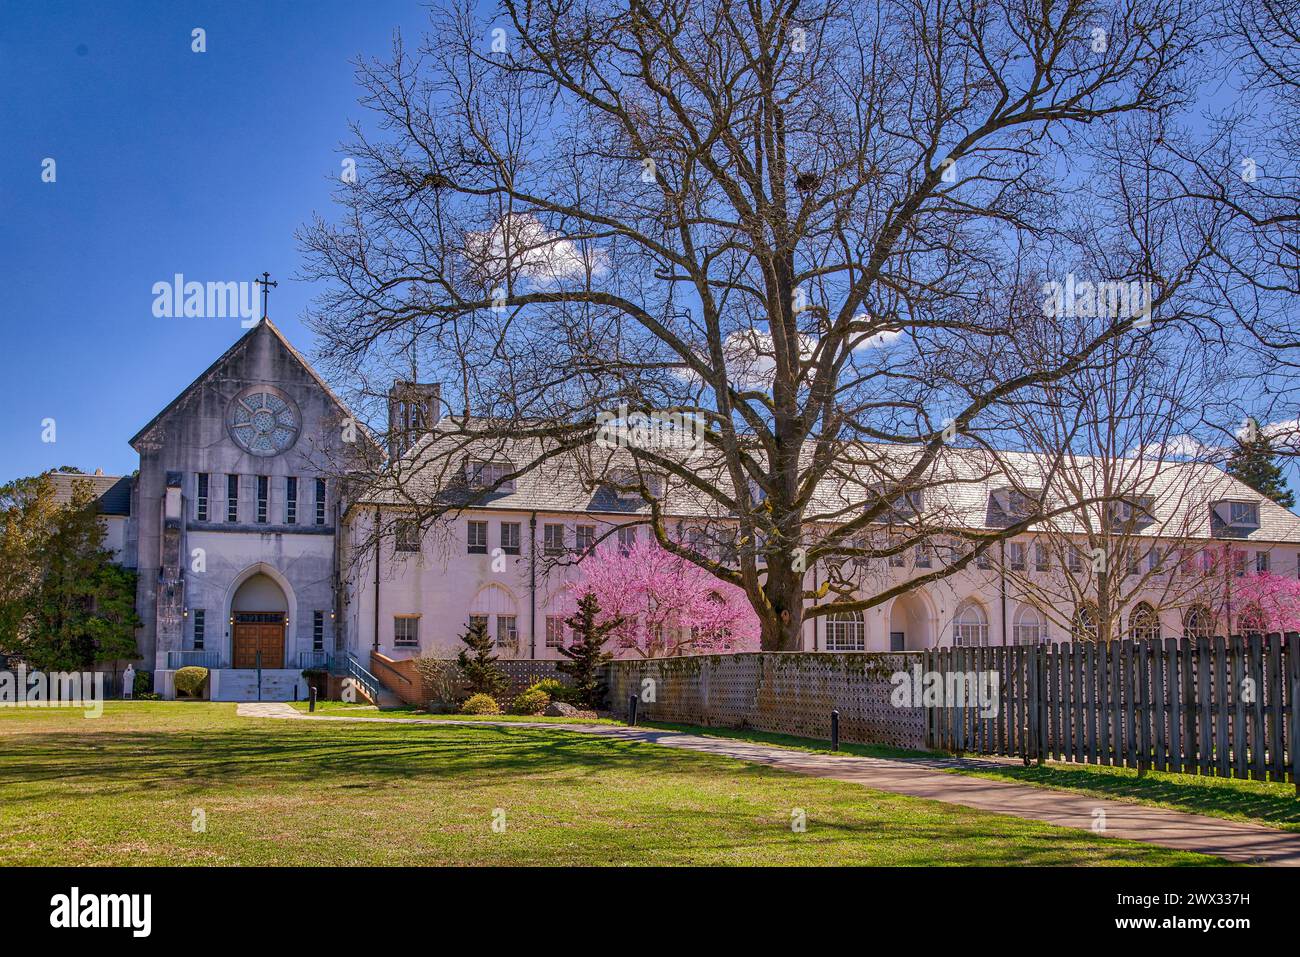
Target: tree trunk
x,y
782,622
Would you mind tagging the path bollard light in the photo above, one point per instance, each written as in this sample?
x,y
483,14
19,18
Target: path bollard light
x,y
631,710
835,730
311,701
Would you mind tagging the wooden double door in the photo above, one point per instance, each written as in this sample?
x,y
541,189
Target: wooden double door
x,y
256,631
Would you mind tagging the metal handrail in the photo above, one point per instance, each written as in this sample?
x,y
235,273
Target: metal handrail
x,y
201,659
315,659
368,682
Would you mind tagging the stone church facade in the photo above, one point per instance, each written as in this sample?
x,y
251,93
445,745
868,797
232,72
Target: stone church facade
x,y
243,545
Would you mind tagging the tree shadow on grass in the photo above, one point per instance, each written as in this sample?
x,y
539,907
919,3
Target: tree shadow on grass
x,y
1276,806
333,756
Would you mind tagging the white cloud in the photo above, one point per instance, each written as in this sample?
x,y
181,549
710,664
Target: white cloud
x,y
533,252
1285,435
881,340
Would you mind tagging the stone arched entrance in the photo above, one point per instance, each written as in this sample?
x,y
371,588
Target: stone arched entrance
x,y
258,610
911,623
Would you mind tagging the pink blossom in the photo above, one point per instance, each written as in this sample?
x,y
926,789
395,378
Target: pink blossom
x,y
672,606
1276,597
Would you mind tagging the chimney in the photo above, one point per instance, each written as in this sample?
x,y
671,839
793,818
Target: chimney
x,y
412,412
99,471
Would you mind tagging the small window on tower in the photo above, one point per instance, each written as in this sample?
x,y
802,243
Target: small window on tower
x,y
320,501
263,497
291,500
232,498
200,628
201,498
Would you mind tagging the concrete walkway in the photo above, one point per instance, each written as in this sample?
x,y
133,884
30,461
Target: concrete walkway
x,y
924,778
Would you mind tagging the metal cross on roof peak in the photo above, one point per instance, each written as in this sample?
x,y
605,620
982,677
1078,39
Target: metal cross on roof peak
x,y
266,284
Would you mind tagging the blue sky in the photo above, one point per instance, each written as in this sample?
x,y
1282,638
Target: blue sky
x,y
168,161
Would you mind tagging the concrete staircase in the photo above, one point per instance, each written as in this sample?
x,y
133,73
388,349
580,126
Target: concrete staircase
x,y
231,684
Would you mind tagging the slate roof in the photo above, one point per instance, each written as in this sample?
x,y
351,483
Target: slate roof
x,y
964,488
112,492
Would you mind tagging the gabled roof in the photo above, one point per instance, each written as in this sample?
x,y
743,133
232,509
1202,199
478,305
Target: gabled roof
x,y
264,326
112,492
961,488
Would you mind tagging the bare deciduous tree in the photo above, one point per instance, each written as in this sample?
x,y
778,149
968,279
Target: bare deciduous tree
x,y
818,228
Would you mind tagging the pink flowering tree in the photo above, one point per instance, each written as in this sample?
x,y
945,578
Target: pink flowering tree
x,y
1267,602
670,606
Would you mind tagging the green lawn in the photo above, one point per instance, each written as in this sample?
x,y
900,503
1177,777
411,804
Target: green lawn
x,y
358,710
124,788
1260,802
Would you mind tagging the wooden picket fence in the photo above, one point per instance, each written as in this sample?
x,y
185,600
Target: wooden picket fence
x,y
1196,706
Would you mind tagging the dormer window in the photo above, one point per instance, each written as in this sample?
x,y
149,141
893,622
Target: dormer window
x,y
1243,514
1137,509
902,506
1006,506
481,473
627,483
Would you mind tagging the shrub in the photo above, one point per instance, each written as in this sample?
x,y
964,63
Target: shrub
x,y
143,683
553,688
441,683
531,701
190,680
480,704
148,696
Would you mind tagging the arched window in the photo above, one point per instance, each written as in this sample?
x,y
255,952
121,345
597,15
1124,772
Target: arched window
x,y
1251,620
1198,622
1030,627
846,631
1143,623
970,626
1084,626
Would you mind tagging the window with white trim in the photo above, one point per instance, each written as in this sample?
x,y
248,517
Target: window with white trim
x,y
232,498
406,631
476,535
1042,561
553,539
484,474
970,626
1198,622
1244,514
585,538
626,538
1143,623
555,626
507,631
510,537
846,631
408,535
1262,562
1030,627
1016,556
263,497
